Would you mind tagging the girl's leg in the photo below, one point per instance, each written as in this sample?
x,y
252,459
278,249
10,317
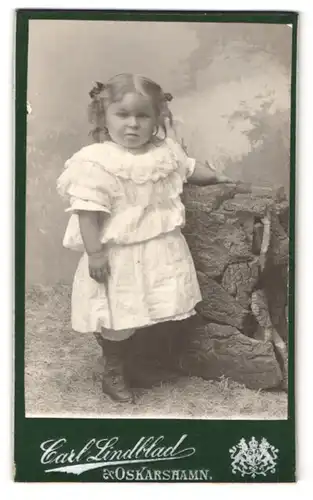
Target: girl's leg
x,y
113,377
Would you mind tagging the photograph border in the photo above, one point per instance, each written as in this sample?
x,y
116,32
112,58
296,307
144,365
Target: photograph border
x,y
211,438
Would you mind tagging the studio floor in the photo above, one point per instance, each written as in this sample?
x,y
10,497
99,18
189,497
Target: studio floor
x,y
61,380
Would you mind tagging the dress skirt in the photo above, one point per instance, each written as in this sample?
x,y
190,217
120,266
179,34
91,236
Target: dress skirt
x,y
150,282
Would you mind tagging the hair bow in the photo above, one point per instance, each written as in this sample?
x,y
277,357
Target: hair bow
x,y
168,96
97,89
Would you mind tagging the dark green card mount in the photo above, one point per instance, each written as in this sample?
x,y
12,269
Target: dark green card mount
x,y
141,450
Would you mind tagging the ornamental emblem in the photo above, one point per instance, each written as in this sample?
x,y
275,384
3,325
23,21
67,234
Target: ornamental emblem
x,y
253,458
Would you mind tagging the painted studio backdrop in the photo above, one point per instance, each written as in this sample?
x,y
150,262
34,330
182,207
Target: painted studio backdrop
x,y
231,88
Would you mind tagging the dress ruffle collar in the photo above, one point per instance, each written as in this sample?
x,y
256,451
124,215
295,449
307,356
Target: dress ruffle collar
x,y
155,162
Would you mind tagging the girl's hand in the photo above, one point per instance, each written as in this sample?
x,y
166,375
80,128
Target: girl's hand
x,y
99,268
206,176
223,179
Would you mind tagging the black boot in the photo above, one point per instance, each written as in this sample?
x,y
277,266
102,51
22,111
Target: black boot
x,y
113,378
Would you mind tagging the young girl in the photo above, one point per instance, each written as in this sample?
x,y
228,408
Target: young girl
x,y
126,216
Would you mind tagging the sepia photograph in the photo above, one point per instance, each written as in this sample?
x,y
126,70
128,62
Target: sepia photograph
x,y
157,219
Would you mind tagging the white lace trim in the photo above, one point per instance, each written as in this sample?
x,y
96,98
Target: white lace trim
x,y
152,164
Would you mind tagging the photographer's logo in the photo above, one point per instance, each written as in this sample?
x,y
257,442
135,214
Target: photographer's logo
x,y
253,458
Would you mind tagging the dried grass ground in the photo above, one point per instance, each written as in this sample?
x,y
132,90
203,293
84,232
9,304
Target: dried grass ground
x,y
60,376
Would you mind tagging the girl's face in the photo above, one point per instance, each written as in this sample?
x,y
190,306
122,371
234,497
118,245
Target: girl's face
x,y
131,121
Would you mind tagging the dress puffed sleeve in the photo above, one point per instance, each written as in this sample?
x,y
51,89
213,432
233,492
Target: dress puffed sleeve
x,y
87,186
186,163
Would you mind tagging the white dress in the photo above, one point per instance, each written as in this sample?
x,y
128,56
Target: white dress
x,y
152,278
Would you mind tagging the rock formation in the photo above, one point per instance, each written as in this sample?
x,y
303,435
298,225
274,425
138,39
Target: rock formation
x,y
238,236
